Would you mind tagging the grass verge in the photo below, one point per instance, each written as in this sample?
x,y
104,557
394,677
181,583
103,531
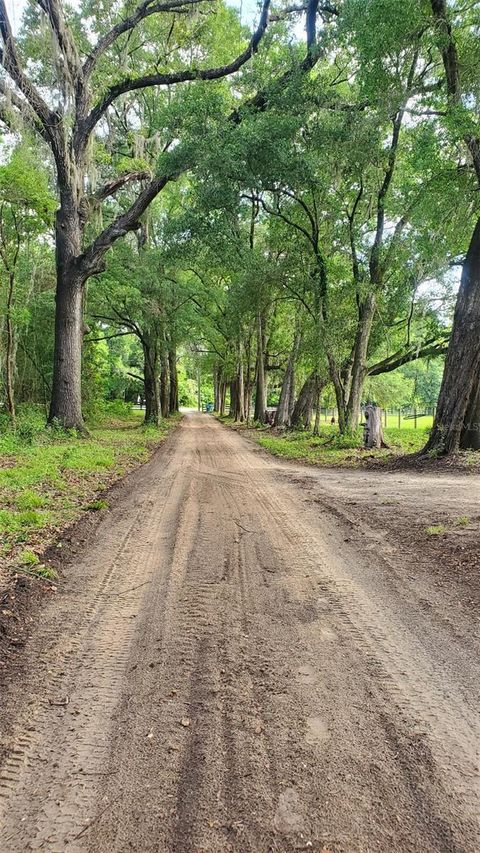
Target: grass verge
x,y
49,477
329,448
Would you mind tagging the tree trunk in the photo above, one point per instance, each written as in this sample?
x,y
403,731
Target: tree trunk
x,y
164,385
152,384
260,385
303,409
373,433
233,399
173,390
66,401
216,388
470,438
316,426
240,412
339,392
223,394
462,364
285,403
10,352
362,338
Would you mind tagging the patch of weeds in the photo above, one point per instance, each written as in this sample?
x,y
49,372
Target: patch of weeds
x,y
29,562
96,506
42,571
29,500
435,530
462,521
11,521
28,558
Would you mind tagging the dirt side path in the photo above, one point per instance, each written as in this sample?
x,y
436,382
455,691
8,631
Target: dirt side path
x,y
244,672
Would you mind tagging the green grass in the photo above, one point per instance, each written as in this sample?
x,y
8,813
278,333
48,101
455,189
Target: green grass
x,y
48,477
329,448
435,530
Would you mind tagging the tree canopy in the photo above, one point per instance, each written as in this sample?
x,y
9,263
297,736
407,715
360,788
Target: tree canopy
x,y
279,215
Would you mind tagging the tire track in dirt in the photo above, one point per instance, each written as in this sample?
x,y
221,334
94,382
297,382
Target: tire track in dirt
x,y
398,663
256,684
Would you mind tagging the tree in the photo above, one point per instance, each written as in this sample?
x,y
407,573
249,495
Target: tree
x,y
70,123
458,410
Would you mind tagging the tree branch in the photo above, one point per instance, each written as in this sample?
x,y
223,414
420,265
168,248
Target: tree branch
x,y
53,10
448,50
11,63
91,261
170,78
108,337
115,184
144,10
429,348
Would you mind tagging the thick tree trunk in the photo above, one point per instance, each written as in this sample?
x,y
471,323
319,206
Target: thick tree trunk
x,y
10,351
462,364
303,409
260,384
66,401
470,438
173,390
362,339
151,375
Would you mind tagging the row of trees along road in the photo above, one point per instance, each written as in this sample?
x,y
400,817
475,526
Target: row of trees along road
x,y
283,205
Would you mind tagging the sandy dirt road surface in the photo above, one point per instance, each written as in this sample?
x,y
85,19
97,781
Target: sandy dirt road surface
x,y
248,667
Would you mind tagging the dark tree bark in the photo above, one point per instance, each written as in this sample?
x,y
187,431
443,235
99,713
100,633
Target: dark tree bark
x,y
66,401
240,384
287,393
151,374
216,388
457,400
233,399
470,437
316,426
164,384
303,409
260,383
462,364
173,389
223,394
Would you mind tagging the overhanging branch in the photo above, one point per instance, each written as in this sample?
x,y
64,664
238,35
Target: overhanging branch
x,y
433,347
169,78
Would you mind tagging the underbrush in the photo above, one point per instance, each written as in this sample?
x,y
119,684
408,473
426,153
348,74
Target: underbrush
x,y
49,475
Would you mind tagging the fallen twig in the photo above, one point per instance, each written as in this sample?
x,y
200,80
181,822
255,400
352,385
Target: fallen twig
x,y
130,589
97,817
242,527
30,573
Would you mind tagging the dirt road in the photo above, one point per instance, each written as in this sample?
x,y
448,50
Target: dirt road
x,y
246,670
